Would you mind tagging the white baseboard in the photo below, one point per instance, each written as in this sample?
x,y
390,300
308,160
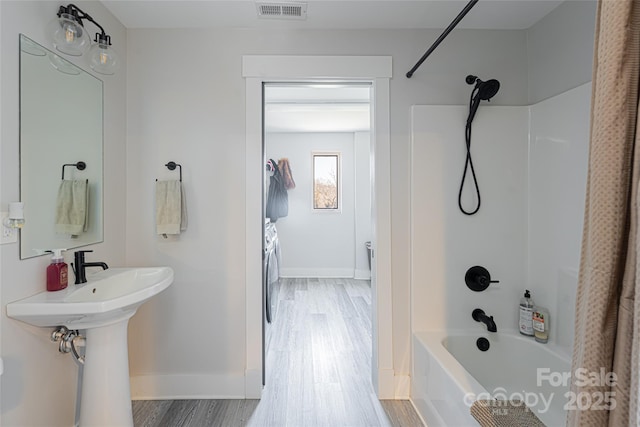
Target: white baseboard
x,y
196,386
362,274
326,273
393,387
386,384
402,387
253,384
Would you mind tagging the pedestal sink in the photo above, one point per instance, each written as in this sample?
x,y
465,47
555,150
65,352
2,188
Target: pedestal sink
x,y
102,307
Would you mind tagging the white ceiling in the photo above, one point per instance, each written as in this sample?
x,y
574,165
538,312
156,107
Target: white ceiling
x,y
316,108
317,118
332,14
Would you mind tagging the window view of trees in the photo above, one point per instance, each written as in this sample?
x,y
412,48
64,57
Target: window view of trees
x,y
325,181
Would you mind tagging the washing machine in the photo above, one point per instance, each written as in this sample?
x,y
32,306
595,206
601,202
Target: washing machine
x,y
272,273
270,288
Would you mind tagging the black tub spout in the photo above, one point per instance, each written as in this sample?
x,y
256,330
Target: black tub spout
x,y
479,316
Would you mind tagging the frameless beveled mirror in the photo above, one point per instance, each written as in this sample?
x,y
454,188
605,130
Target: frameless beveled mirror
x,y
61,123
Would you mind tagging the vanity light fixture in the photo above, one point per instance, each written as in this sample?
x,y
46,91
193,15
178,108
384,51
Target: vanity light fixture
x,y
70,37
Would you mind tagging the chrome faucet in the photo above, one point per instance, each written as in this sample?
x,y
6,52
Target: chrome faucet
x,y
79,266
479,316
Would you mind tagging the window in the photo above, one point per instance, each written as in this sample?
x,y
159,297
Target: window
x,y
326,181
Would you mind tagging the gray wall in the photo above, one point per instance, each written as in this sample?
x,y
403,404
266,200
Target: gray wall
x,y
560,50
39,384
192,109
316,244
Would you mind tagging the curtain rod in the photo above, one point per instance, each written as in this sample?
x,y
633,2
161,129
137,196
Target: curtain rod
x,y
444,34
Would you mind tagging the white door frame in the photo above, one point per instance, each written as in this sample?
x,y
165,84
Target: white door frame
x,y
259,69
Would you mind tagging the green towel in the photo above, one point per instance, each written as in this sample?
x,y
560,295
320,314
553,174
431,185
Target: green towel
x,y
171,208
72,207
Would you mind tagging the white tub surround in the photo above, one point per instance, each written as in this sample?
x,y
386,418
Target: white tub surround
x,y
445,243
531,167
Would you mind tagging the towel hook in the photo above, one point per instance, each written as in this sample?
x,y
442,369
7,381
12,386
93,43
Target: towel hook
x,y
80,166
172,166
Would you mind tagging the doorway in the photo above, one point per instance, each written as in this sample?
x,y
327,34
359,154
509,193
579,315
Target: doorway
x,y
317,209
258,70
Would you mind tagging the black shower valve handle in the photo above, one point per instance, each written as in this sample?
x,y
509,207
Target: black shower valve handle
x,y
478,278
485,280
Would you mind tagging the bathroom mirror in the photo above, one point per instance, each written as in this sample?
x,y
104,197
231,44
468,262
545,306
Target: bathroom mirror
x,y
61,123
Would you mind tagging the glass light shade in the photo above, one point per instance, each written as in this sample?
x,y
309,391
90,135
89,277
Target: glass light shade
x,y
63,65
31,47
103,59
69,36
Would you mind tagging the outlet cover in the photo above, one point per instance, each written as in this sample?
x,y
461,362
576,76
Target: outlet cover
x,y
7,235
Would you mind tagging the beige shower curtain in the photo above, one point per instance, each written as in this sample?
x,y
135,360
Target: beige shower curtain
x,y
607,329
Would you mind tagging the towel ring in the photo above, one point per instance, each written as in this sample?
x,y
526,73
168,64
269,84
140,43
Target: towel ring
x,y
172,166
80,166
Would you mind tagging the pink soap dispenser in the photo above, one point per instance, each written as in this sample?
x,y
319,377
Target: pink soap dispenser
x,y
57,272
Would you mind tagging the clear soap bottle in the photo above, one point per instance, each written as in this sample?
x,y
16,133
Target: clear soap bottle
x,y
526,315
541,324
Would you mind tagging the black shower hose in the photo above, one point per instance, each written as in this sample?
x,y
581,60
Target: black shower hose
x,y
469,161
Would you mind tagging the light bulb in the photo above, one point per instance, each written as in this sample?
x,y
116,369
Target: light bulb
x,y
103,59
68,35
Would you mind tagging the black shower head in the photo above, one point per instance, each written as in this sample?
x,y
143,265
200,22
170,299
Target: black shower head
x,y
486,90
483,91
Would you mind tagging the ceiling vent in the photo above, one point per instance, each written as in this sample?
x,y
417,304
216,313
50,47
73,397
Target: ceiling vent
x,y
284,10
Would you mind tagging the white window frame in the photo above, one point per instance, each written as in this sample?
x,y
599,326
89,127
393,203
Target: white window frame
x,y
315,154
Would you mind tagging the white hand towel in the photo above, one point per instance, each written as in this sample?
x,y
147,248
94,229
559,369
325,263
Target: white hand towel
x,y
72,207
169,207
183,209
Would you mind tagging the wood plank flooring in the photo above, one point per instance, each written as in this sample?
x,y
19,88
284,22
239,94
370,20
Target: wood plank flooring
x,y
318,368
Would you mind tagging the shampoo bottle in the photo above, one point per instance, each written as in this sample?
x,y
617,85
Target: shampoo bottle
x,y
57,272
541,324
526,315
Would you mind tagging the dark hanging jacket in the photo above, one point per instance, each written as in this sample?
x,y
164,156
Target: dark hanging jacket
x,y
278,198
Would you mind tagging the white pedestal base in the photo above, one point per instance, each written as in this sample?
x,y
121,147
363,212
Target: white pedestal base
x,y
106,397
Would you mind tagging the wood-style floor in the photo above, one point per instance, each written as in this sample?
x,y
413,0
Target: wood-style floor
x,y
318,368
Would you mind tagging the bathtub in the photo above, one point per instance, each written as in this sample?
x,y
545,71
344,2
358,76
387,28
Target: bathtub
x,y
450,372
